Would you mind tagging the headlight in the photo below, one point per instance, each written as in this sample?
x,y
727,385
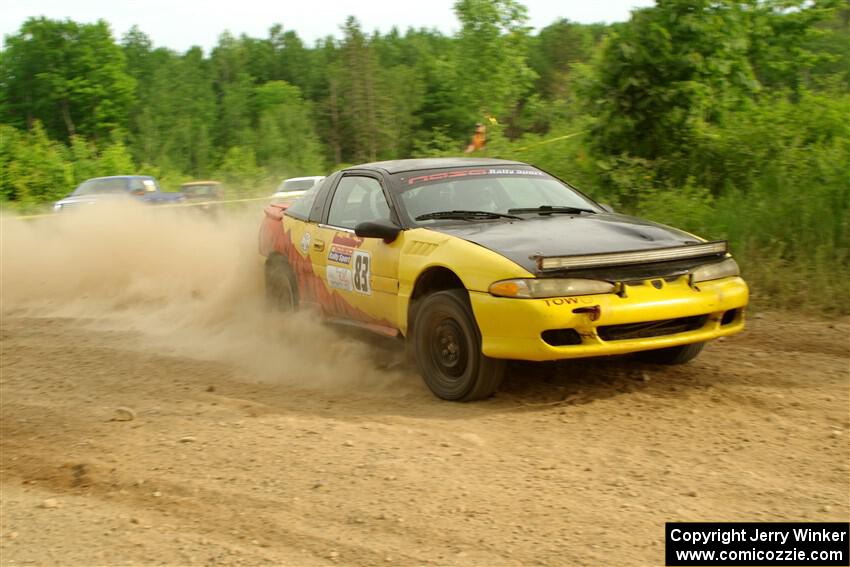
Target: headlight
x,y
724,269
549,287
57,207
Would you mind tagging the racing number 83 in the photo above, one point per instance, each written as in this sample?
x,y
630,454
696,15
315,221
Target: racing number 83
x,y
362,267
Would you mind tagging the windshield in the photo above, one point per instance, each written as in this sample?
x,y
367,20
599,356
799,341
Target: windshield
x,y
102,186
210,190
491,190
296,185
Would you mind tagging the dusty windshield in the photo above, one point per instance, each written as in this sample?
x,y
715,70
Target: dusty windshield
x,y
102,186
296,185
210,190
492,190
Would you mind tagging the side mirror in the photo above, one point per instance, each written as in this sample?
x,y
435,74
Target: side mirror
x,y
606,207
384,229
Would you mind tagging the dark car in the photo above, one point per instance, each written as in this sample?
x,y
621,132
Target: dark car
x,y
202,191
203,195
478,261
142,188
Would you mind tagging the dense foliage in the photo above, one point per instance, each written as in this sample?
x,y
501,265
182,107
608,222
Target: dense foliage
x,y
727,118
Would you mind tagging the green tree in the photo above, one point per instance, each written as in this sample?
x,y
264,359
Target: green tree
x,y
239,171
287,142
10,141
492,56
556,49
293,62
667,74
176,113
324,91
37,169
359,92
234,88
442,108
69,76
794,43
397,119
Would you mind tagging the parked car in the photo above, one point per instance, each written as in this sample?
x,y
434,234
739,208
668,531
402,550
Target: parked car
x,y
141,188
290,189
202,195
479,261
202,191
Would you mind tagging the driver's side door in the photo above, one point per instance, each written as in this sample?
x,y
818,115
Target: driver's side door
x,y
362,273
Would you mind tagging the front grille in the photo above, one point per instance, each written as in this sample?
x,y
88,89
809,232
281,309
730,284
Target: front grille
x,y
647,329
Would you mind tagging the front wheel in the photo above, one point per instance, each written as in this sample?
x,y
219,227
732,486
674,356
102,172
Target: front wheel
x,y
447,345
671,355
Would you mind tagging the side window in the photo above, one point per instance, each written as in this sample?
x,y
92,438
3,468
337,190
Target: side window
x,y
300,209
319,204
357,199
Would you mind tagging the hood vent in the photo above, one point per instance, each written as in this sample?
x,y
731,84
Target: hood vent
x,y
420,248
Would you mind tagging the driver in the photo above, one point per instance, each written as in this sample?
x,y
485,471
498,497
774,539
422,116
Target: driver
x,y
475,195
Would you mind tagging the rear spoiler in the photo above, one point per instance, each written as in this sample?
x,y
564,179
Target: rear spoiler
x,y
607,259
275,210
272,237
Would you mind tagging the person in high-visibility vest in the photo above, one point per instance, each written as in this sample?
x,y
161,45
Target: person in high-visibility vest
x,y
479,138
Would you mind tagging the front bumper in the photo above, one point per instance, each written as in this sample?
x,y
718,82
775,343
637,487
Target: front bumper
x,y
513,328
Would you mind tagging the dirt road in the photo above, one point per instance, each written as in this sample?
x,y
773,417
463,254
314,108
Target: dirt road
x,y
137,430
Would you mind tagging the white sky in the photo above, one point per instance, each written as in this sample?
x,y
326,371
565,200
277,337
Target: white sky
x,y
180,24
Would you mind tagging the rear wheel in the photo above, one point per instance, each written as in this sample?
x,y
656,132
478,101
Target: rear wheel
x,y
672,355
447,345
281,289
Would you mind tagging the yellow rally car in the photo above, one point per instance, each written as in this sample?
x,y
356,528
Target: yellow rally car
x,y
478,261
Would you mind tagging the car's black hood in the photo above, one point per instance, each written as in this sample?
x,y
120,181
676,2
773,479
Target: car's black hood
x,y
567,235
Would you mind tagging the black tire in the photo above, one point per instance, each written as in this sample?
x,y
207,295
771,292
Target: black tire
x,y
672,355
281,286
447,345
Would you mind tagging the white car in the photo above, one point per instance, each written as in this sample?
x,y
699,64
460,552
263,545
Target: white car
x,y
290,189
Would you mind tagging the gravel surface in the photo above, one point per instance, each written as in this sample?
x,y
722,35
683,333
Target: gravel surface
x,y
116,452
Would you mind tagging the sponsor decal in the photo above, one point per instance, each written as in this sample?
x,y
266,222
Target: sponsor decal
x,y
362,266
339,278
305,242
555,301
315,290
349,240
443,175
515,172
340,254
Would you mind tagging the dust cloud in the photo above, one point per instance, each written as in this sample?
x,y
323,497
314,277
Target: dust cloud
x,y
185,283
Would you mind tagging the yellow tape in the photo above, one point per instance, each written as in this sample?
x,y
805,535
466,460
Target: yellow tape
x,y
171,206
215,202
27,217
544,142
